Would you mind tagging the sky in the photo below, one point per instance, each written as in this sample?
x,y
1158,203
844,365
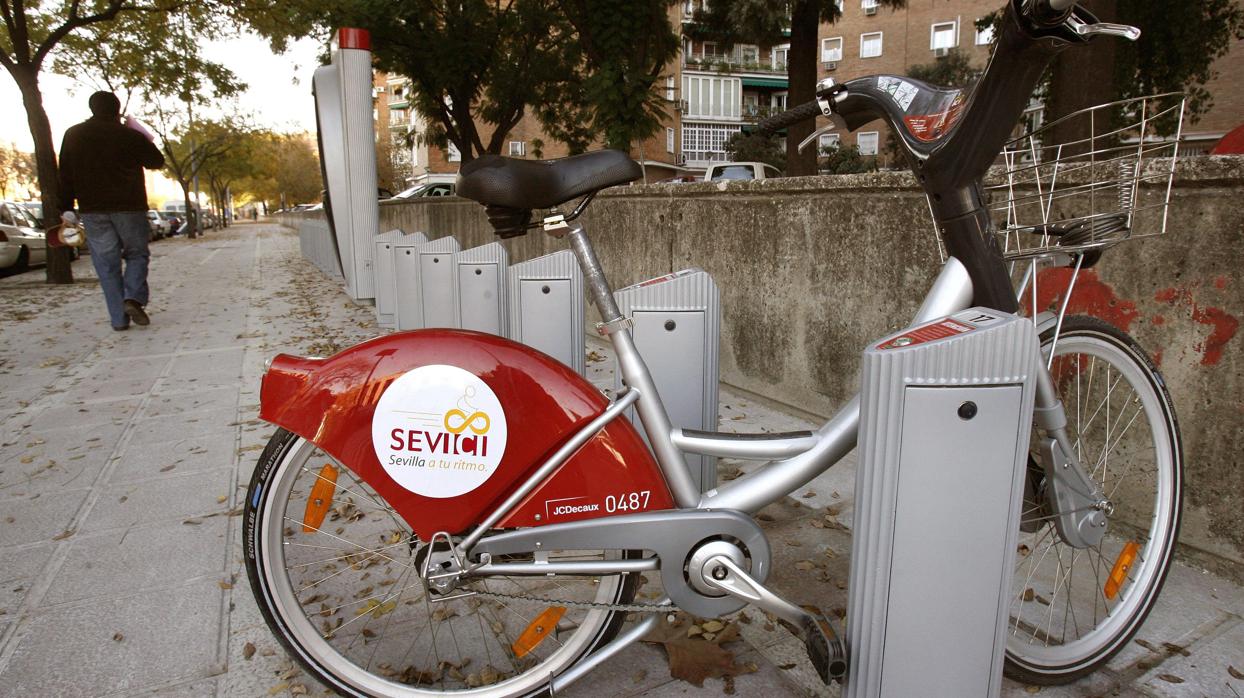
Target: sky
x,y
278,94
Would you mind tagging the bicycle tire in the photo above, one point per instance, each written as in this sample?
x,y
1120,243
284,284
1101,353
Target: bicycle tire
x,y
271,489
1086,348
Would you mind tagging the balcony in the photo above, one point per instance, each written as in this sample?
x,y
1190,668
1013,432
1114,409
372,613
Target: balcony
x,y
732,64
755,112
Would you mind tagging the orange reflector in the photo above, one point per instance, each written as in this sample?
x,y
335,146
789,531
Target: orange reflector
x,y
1122,565
321,498
538,630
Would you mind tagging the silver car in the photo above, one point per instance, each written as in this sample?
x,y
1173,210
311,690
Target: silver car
x,y
22,243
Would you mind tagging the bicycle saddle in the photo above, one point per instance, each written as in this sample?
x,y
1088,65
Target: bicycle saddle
x,y
493,180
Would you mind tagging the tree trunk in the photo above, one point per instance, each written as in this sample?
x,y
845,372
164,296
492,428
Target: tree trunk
x,y
57,270
192,218
805,20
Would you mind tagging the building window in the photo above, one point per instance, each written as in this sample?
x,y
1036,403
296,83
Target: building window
x,y
831,50
749,54
708,50
712,97
984,36
869,6
669,89
518,149
829,140
867,141
452,154
669,140
779,56
777,101
870,45
705,143
944,36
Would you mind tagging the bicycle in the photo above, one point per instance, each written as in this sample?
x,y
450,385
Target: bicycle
x,y
446,511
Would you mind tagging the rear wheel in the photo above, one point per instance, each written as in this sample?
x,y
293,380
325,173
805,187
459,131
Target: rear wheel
x,y
335,572
1067,617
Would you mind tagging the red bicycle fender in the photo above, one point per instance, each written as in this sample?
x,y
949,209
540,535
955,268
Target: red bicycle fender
x,y
333,402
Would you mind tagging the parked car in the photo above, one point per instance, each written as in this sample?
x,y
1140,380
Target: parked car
x,y
426,189
35,209
161,226
740,170
681,179
22,241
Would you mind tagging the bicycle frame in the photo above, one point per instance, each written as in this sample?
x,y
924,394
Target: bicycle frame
x,y
795,458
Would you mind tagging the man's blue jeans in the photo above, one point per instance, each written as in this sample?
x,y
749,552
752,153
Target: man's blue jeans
x,y
113,237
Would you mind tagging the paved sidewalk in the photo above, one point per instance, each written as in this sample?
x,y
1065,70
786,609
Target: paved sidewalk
x,y
124,458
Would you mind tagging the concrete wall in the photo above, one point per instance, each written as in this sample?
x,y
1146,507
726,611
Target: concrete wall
x,y
812,269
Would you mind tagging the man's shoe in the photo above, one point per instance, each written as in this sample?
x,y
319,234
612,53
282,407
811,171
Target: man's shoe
x,y
120,328
136,313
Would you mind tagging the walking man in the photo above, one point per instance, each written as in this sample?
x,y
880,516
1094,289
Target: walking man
x,y
101,166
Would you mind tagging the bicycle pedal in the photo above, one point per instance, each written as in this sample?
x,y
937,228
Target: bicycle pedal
x,y
825,650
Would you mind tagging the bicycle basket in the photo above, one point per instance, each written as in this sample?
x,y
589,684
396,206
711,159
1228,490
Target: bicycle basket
x,y
1108,182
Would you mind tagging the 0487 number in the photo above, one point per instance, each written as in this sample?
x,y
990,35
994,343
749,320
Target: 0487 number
x,y
627,501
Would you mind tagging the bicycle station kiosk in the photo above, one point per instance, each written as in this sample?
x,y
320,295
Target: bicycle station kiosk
x,y
945,416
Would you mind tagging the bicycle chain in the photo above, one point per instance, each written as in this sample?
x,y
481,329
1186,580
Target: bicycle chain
x,y
589,605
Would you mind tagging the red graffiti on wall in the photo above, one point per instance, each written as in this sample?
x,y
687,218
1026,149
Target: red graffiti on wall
x,y
1223,323
1091,296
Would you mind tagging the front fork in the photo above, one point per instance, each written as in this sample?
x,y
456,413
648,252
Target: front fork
x,y
1076,503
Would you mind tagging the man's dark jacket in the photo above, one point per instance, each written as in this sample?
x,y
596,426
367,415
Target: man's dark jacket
x,y
101,165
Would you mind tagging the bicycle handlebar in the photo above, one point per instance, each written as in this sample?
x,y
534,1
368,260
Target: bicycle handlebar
x,y
790,117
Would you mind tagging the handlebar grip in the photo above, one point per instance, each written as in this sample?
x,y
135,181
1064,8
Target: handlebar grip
x,y
790,117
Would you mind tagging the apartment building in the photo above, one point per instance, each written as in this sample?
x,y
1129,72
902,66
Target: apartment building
x,y
713,91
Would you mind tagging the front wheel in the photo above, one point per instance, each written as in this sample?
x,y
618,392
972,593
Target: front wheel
x,y
334,570
1072,609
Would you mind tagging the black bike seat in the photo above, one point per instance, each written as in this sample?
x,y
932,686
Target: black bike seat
x,y
493,180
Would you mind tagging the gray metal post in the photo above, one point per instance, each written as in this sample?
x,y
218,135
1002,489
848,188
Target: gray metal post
x,y
546,307
425,292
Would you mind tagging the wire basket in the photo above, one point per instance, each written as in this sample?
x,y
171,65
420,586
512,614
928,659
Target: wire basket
x,y
1110,182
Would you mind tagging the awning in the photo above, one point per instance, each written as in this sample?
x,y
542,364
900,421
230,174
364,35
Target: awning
x,y
765,82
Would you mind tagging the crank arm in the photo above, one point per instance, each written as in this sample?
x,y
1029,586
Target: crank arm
x,y
824,648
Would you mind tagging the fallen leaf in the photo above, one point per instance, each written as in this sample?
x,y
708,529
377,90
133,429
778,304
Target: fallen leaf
x,y
221,499
1032,689
1235,673
804,565
224,585
63,534
1170,678
118,637
692,659
278,688
1172,648
248,650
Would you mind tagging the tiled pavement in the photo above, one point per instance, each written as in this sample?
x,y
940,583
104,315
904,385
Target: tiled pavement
x,y
124,456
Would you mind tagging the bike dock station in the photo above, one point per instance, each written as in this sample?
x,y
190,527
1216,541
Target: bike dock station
x,y
386,280
546,307
480,288
943,446
677,323
425,283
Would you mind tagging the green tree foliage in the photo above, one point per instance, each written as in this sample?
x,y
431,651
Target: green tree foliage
x,y
755,147
625,46
845,159
17,170
953,70
470,62
287,169
1176,52
763,22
